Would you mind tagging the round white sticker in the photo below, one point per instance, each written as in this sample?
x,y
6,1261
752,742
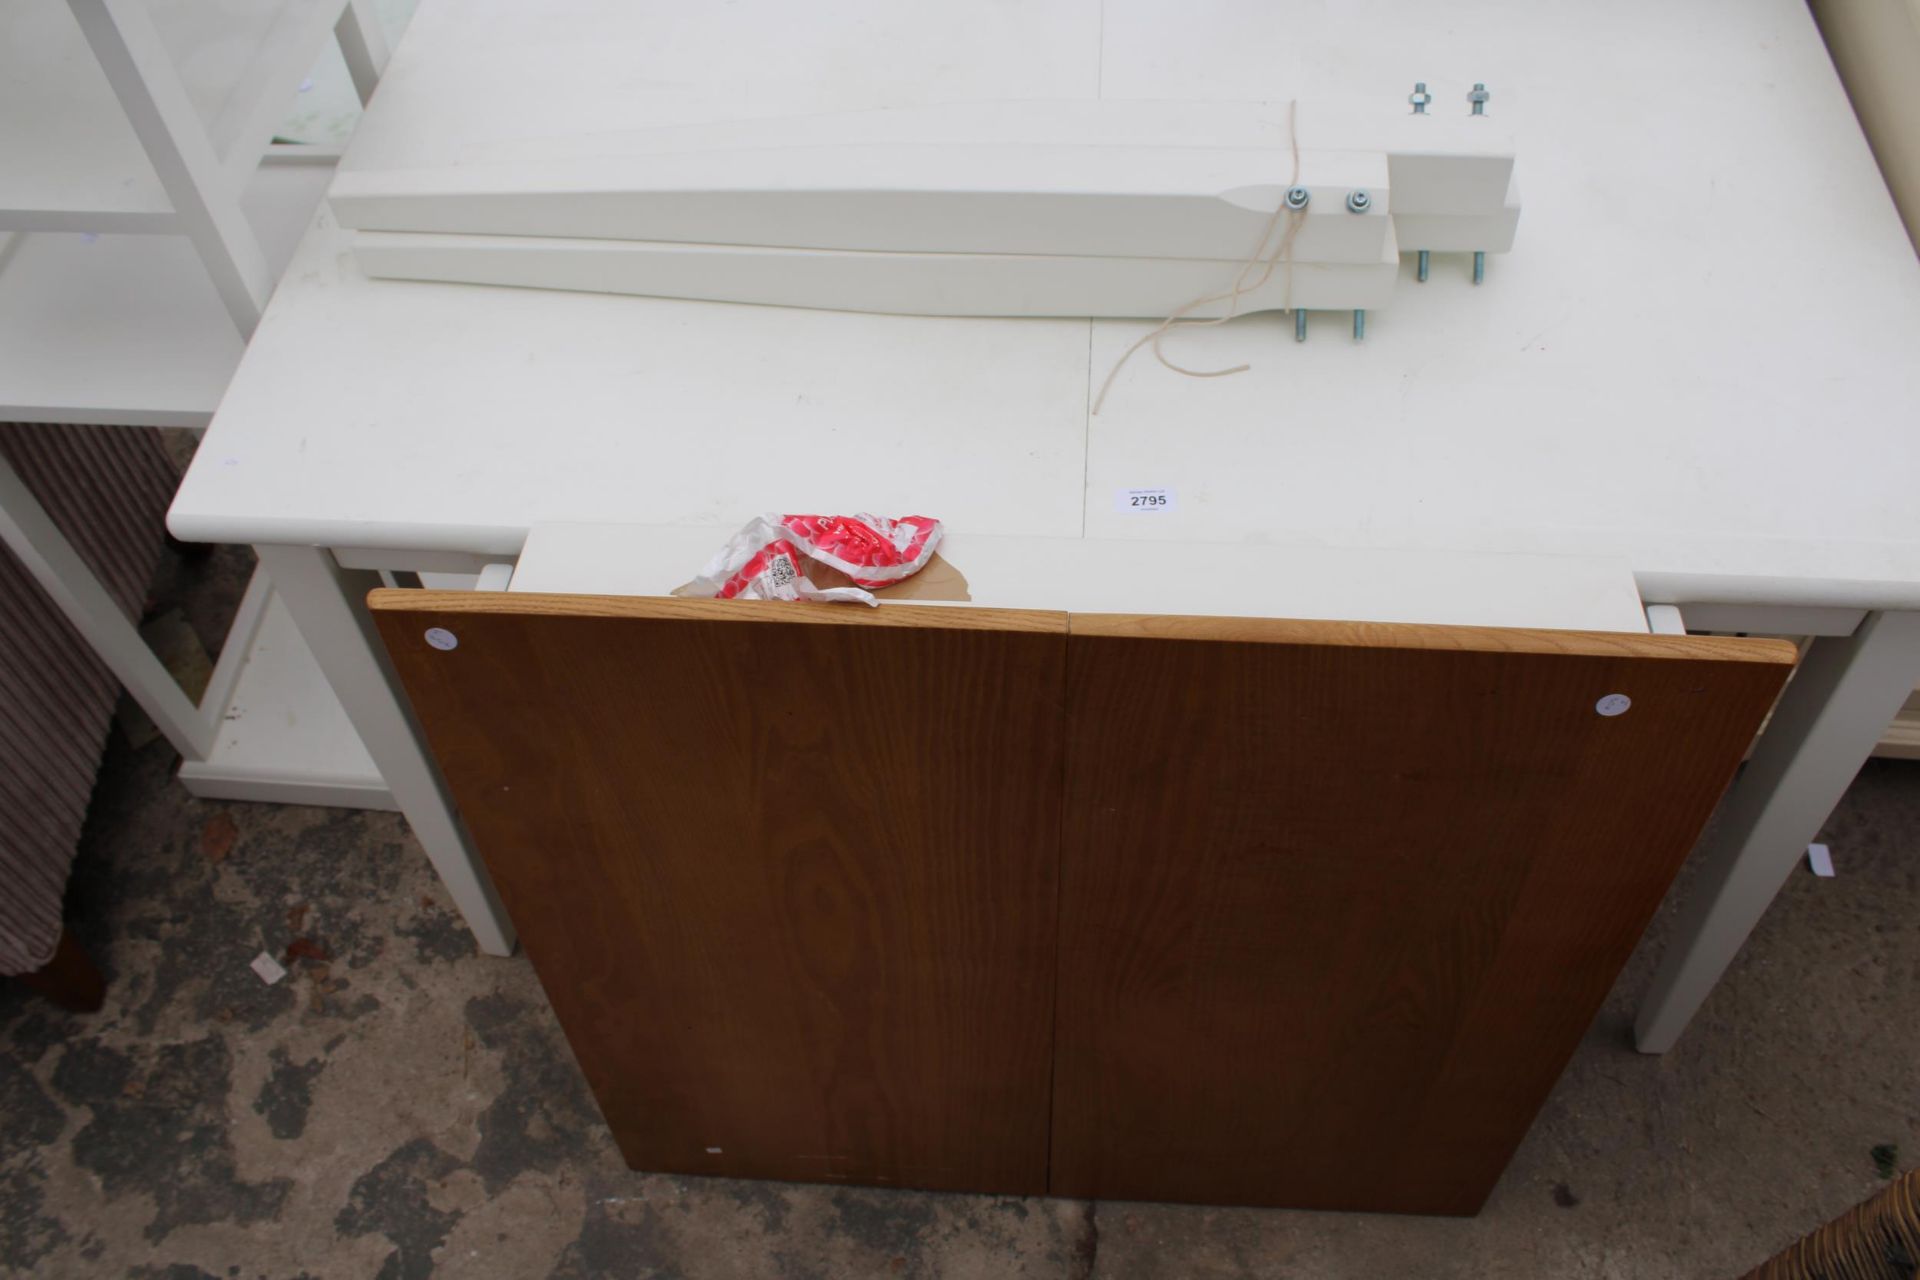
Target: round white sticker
x,y
441,638
1613,704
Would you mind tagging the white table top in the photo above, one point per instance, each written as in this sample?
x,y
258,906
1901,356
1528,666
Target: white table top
x,y
1700,356
1087,575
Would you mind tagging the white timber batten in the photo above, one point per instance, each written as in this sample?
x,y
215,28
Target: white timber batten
x,y
948,284
1026,209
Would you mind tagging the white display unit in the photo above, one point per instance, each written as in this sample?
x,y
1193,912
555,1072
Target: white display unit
x,y
74,159
128,329
144,218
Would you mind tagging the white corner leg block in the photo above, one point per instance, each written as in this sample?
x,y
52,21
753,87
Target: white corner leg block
x,y
328,604
1844,695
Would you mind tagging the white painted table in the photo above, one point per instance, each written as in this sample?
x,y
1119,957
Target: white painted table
x,y
1698,360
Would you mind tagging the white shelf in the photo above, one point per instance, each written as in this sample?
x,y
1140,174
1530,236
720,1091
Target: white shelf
x,y
285,737
1901,741
69,160
128,329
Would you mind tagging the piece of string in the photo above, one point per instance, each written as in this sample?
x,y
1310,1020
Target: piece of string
x,y
1260,259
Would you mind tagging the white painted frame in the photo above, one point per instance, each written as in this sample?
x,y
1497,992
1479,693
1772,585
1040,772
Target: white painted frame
x,y
30,533
193,728
202,186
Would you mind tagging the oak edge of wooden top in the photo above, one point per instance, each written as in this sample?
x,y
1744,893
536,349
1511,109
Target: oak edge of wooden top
x,y
697,609
1373,635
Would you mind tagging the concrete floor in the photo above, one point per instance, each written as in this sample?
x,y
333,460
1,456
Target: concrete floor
x,y
401,1106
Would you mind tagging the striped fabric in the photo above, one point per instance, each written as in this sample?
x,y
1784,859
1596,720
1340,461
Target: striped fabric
x,y
107,488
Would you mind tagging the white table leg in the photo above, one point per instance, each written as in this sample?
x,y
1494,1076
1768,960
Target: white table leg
x,y
30,533
328,604
363,43
1842,698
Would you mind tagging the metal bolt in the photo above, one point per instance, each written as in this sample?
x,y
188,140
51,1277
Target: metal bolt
x,y
1423,267
1299,325
1359,202
1479,267
1359,325
1420,98
1297,197
1479,98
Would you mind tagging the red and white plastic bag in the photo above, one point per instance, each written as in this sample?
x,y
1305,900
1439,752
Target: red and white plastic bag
x,y
771,558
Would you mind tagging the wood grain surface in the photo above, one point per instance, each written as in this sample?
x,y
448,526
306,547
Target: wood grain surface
x,y
1333,902
787,872
1338,901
